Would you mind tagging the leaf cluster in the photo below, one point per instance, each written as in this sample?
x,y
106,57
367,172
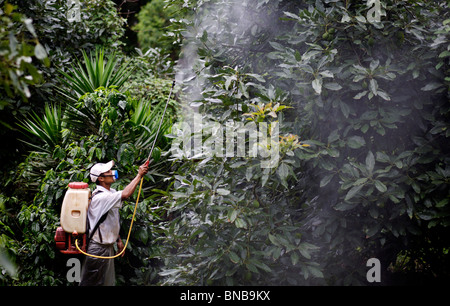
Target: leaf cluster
x,y
371,100
374,94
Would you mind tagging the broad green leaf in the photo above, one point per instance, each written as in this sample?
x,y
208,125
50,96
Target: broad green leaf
x,y
345,18
283,171
178,195
261,265
294,258
442,203
344,206
332,86
360,181
327,74
325,180
223,191
274,240
40,52
264,179
356,142
317,85
431,86
251,267
315,271
383,95
382,157
240,223
373,86
304,249
370,162
345,109
360,18
232,215
353,191
29,24
374,64
234,257
380,186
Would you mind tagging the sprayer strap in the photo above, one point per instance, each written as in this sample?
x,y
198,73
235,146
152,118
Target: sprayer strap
x,y
96,191
100,221
91,234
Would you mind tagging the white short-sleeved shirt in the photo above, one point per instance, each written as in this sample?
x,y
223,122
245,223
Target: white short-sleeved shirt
x,y
105,201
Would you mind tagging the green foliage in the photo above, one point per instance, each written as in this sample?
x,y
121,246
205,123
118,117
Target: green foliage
x,y
372,100
17,69
154,19
363,168
233,221
376,103
98,25
48,129
95,73
33,190
150,82
37,28
118,133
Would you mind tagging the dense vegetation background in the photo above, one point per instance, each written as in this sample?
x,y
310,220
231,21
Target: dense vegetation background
x,y
362,109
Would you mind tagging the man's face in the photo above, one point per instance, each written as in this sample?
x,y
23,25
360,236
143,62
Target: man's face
x,y
107,177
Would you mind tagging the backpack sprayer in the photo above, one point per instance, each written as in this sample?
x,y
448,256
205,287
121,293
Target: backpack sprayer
x,y
74,219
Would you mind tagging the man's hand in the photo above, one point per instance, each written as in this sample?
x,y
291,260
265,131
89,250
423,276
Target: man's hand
x,y
143,169
131,187
120,247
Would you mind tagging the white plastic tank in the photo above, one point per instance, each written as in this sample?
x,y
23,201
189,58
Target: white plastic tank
x,y
74,208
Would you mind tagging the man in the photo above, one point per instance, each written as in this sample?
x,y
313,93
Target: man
x,y
106,202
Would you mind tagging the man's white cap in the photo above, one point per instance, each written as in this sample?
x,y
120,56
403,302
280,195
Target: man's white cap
x,y
100,168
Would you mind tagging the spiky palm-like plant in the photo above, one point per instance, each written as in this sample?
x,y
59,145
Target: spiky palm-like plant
x,y
48,128
146,119
96,72
99,71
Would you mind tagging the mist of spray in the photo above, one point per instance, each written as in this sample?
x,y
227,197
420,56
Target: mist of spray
x,y
228,30
238,33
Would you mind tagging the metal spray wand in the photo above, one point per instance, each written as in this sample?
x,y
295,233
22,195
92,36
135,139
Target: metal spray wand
x,y
160,123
